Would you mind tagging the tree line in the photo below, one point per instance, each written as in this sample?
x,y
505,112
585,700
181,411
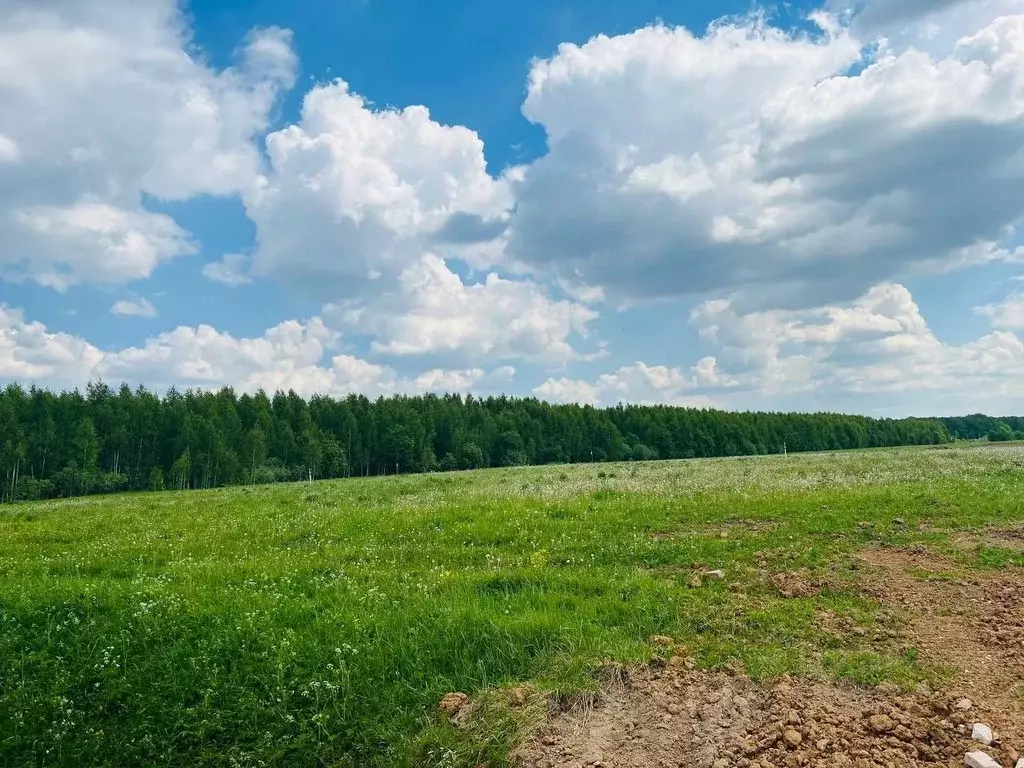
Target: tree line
x,y
978,426
55,444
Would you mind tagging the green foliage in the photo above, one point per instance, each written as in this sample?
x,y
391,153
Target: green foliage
x,y
63,444
286,625
1002,433
978,426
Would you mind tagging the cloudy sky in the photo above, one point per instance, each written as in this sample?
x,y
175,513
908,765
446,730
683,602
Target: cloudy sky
x,y
792,206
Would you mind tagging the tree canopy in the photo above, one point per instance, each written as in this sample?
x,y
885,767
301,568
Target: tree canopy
x,y
105,440
978,426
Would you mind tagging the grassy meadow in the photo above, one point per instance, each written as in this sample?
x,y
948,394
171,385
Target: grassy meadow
x,y
320,624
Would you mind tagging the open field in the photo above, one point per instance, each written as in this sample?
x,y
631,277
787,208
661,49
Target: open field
x,y
321,624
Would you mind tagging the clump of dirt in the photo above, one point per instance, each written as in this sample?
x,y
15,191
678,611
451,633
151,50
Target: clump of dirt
x,y
674,717
454,705
797,584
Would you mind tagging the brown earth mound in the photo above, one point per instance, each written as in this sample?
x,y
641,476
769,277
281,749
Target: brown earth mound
x,y
699,719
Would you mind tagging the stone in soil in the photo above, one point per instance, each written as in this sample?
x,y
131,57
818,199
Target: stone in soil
x,y
792,738
979,760
982,734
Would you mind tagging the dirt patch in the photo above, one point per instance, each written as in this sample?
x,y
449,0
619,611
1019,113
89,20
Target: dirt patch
x,y
675,717
1002,538
970,623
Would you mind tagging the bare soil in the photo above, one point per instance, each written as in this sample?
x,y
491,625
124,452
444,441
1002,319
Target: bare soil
x,y
971,624
1005,538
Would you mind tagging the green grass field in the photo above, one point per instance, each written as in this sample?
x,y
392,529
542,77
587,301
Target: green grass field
x,y
320,624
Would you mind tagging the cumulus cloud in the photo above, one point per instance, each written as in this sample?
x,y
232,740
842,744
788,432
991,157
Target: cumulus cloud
x,y
140,307
787,180
476,379
102,103
640,383
91,241
928,25
433,311
566,390
355,193
877,345
291,355
880,14
876,353
355,210
31,353
232,269
750,156
1008,313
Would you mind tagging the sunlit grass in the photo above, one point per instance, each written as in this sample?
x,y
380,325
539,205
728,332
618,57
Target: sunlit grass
x,y
287,625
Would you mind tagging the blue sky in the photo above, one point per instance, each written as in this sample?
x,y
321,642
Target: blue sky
x,y
784,206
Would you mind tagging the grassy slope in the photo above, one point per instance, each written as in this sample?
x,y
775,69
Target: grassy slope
x,y
291,624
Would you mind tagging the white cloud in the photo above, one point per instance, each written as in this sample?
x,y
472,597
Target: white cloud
x,y
928,25
140,307
101,103
876,354
356,194
801,176
876,15
9,152
92,242
640,383
232,269
476,379
362,206
287,356
879,345
753,157
31,353
1009,313
291,355
567,391
433,311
